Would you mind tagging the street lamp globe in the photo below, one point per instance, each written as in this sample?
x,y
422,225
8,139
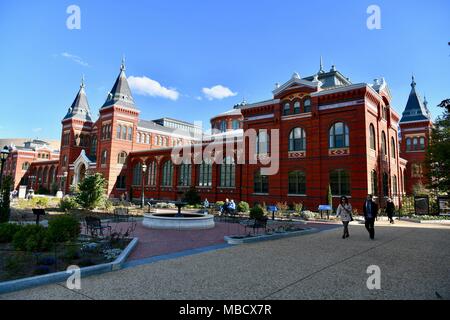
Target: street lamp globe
x,y
4,153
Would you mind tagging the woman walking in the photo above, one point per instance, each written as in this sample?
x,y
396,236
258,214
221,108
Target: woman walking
x,y
344,211
390,209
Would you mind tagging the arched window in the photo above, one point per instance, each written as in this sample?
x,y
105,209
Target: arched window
x,y
104,157
408,144
262,142
138,137
393,149
260,182
373,142
236,124
383,144
307,105
286,109
297,107
385,184
184,174
124,133
151,170
147,139
227,172
122,157
137,174
25,166
415,144
119,132
64,162
339,136
205,173
45,175
340,182
167,174
297,140
297,182
422,143
373,182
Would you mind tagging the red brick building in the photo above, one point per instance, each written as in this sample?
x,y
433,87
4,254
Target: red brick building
x,y
315,132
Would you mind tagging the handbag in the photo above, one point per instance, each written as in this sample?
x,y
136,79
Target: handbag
x,y
349,212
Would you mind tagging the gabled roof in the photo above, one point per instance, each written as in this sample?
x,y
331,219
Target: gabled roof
x,y
120,94
415,110
296,81
151,125
80,106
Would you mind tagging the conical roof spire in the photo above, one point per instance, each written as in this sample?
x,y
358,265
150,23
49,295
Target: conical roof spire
x,y
415,109
321,66
120,94
80,106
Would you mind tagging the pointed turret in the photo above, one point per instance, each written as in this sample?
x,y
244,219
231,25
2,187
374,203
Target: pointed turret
x,y
80,106
415,110
120,94
321,66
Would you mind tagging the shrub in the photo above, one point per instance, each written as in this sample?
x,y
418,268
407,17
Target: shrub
x,y
308,215
5,210
219,204
40,270
47,261
42,190
7,231
63,228
72,252
298,207
91,191
107,204
40,202
31,238
86,262
243,206
192,197
282,206
257,212
67,204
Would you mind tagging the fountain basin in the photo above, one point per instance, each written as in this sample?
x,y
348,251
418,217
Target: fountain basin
x,y
187,221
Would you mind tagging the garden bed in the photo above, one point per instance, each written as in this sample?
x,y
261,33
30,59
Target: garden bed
x,y
249,238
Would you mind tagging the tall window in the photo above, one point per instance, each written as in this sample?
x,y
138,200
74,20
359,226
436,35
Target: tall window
x,y
122,157
262,142
235,124
138,137
422,143
205,173
104,156
297,140
373,143
121,182
340,182
119,132
297,107
383,144
227,172
286,109
130,133
408,144
261,182
124,133
184,174
151,168
223,126
25,166
137,174
393,147
307,105
394,185
297,182
339,136
94,147
385,184
167,174
373,182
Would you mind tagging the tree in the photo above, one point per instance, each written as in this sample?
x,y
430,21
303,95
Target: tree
x,y
91,191
438,154
192,197
330,196
5,209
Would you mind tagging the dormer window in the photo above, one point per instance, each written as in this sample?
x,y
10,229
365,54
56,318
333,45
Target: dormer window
x,y
307,105
297,107
286,109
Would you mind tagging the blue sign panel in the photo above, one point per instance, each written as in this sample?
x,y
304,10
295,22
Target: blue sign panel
x,y
325,207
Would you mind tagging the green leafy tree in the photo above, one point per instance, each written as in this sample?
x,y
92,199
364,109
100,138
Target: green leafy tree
x,y
91,191
5,209
192,197
330,196
438,152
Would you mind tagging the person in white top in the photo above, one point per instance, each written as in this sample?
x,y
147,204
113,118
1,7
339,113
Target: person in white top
x,y
344,211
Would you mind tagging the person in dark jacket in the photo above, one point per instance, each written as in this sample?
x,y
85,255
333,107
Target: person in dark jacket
x,y
390,209
370,210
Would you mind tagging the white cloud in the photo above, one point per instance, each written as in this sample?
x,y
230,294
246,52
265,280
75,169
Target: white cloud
x,y
75,59
199,98
149,87
218,92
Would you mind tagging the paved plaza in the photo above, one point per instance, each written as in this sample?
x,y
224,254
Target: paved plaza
x,y
414,260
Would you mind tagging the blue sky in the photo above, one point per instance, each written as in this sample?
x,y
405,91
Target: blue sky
x,y
187,46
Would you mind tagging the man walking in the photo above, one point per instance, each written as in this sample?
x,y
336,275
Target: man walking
x,y
370,210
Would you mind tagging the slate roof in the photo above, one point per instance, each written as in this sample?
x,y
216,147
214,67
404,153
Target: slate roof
x,y
148,124
415,109
120,94
80,106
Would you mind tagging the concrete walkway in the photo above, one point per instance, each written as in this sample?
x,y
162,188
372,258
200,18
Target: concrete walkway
x,y
414,261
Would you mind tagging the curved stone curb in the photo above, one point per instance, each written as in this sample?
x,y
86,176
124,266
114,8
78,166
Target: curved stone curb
x,y
266,237
62,276
446,222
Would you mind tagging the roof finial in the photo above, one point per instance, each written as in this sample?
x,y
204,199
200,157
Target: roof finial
x,y
413,82
82,82
425,102
321,65
122,66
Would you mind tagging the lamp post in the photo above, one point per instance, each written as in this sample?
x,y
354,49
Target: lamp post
x,y
3,156
144,169
65,174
